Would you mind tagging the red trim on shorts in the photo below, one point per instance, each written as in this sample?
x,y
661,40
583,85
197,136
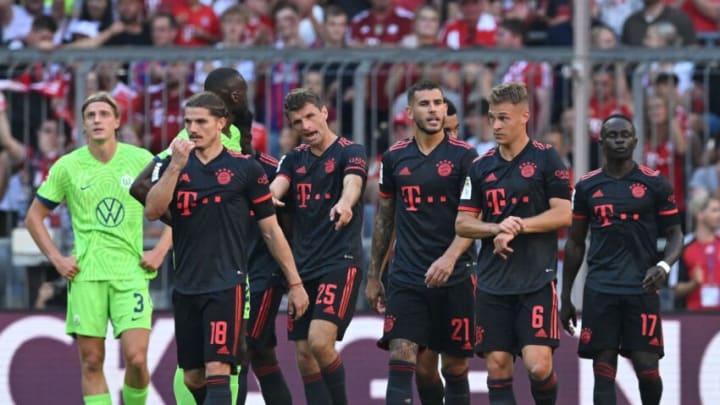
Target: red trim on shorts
x,y
347,291
262,313
669,212
466,208
238,318
263,198
579,216
554,327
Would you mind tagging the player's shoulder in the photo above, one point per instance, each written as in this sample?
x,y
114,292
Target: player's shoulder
x,y
400,145
590,177
486,157
648,171
267,160
457,143
238,155
346,143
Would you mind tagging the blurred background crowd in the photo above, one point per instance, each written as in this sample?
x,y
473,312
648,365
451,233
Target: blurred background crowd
x,y
672,100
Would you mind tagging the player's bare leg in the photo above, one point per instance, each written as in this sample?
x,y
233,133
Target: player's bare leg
x,y
403,360
195,382
500,378
322,337
272,382
646,368
92,357
457,386
543,380
427,378
316,391
605,369
134,344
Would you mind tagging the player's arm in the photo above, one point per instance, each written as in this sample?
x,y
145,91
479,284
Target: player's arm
x,y
152,259
558,216
280,250
574,254
141,186
279,188
15,149
66,266
440,270
161,193
656,275
352,190
383,234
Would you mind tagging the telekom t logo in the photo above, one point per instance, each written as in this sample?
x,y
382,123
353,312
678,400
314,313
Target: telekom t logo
x,y
303,191
605,212
496,199
411,196
185,200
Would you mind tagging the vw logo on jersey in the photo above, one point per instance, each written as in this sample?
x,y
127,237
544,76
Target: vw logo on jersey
x,y
110,212
126,181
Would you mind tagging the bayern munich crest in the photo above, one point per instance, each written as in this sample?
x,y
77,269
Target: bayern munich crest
x,y
527,169
638,190
444,168
224,176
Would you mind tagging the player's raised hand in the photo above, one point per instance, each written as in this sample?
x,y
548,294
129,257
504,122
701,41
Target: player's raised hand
x,y
180,151
568,316
67,267
342,214
654,278
277,202
297,301
502,244
439,272
511,225
375,295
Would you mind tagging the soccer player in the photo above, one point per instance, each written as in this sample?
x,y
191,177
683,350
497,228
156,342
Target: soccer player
x,y
431,288
516,198
626,206
324,179
452,124
108,274
207,189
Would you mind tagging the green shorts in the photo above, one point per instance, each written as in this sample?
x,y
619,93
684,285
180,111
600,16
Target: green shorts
x,y
126,303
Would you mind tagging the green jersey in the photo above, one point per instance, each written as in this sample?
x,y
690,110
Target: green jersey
x,y
107,221
231,142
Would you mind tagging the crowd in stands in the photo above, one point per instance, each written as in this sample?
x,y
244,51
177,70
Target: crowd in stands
x,y
681,115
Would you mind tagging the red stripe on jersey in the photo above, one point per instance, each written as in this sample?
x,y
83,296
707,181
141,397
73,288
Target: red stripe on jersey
x,y
344,141
400,144
238,154
648,171
263,198
284,176
385,195
669,212
357,168
265,158
590,174
579,216
468,209
458,142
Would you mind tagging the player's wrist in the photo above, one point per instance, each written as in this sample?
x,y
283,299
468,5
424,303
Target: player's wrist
x,y
663,265
295,285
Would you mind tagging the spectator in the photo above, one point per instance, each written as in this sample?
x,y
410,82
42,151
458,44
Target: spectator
x,y
635,27
312,16
426,29
335,28
261,22
537,76
703,14
663,34
477,126
41,35
14,21
95,16
707,178
476,27
136,31
382,24
235,35
614,13
696,279
127,98
163,33
199,26
603,37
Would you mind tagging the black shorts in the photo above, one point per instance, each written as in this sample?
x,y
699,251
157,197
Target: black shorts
x,y
441,319
626,323
507,323
208,327
264,307
332,298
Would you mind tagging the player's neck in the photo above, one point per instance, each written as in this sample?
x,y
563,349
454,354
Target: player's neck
x,y
704,234
103,151
328,139
618,168
205,155
428,142
511,150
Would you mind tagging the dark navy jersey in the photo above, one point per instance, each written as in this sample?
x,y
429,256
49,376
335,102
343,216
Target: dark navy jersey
x,y
521,187
316,184
625,217
210,215
262,267
427,192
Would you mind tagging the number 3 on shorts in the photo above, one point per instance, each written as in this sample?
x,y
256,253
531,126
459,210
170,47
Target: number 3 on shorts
x,y
140,305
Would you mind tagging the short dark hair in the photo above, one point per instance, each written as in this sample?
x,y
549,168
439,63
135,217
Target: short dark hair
x,y
44,22
515,25
513,93
334,11
281,5
162,14
420,86
218,79
667,78
451,109
209,101
101,97
299,97
617,116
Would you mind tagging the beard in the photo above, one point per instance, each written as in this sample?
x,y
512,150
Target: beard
x,y
424,129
